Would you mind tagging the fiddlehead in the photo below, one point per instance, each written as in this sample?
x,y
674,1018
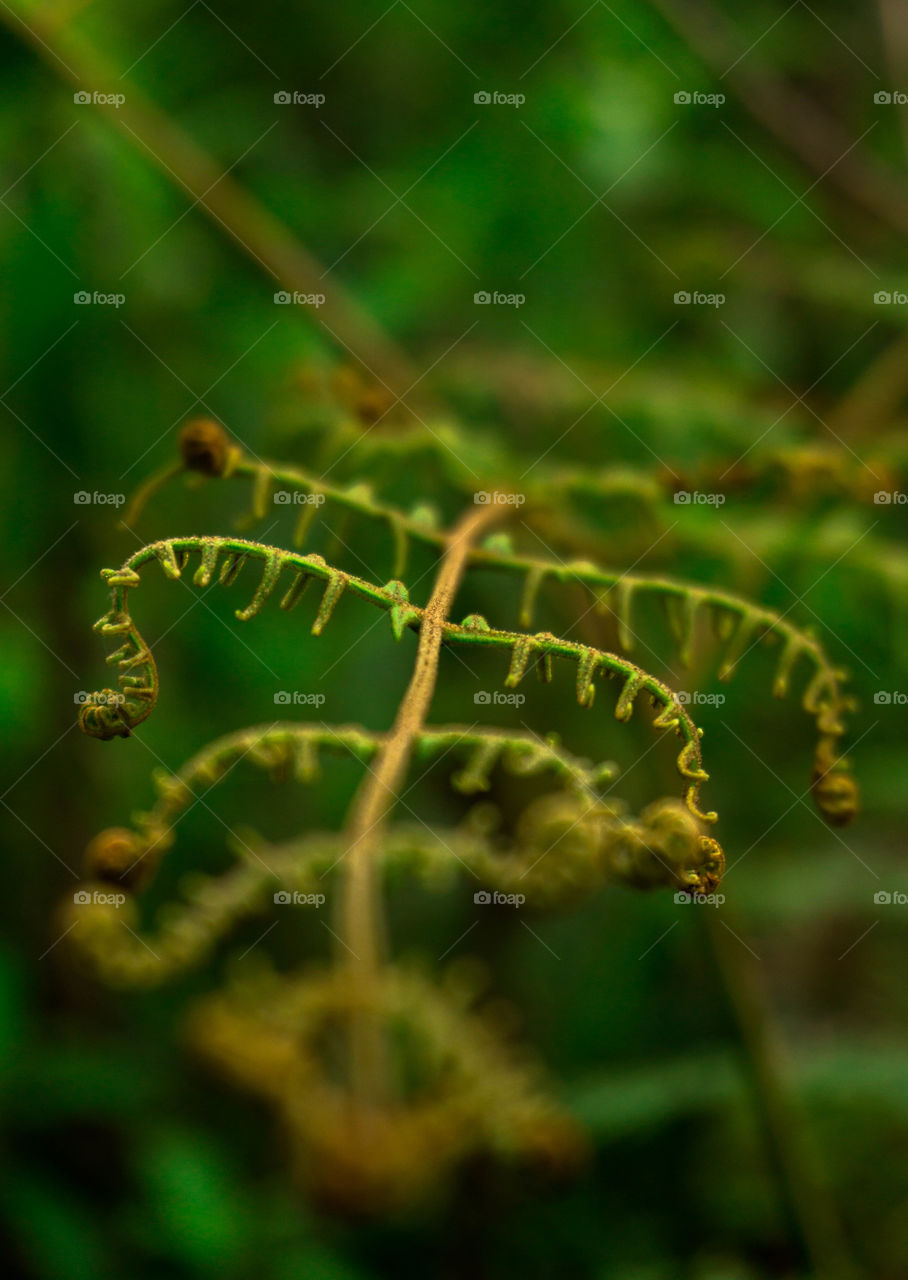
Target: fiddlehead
x,y
173,556
108,714
462,1091
567,842
737,624
293,751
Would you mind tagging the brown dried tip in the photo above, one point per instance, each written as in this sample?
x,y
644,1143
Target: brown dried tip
x,y
205,446
116,855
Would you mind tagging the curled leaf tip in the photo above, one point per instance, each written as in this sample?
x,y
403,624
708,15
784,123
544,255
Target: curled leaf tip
x,y
206,447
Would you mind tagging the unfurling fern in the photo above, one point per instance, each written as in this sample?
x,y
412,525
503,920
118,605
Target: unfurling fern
x,y
572,837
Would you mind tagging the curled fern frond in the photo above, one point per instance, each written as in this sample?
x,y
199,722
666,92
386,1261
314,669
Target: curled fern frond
x,y
834,789
563,842
107,713
738,623
568,841
206,447
107,932
565,847
290,750
462,1092
173,555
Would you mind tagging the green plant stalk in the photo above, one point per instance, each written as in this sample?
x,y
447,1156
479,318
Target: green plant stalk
x,y
361,916
803,1189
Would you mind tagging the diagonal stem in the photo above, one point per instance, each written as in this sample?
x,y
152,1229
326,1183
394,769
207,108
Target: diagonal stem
x,y
814,137
262,235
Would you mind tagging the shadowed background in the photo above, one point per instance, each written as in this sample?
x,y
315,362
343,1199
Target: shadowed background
x,y
591,204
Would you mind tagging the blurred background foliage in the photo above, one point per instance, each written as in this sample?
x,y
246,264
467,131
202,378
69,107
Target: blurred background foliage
x,y
598,199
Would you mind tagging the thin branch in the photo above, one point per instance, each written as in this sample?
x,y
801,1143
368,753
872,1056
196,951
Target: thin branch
x,y
797,122
233,209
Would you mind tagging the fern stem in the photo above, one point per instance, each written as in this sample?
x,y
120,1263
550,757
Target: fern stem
x,y
803,1189
361,917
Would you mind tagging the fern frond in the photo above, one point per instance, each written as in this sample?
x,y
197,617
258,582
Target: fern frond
x,y
173,555
108,934
567,842
462,1091
737,622
289,750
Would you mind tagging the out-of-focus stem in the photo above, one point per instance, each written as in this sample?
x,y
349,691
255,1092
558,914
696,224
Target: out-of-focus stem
x,y
795,120
803,1189
262,235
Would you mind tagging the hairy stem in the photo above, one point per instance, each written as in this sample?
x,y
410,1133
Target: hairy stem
x,y
361,928
803,1188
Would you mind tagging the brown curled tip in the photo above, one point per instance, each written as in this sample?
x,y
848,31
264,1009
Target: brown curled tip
x,y
836,796
835,791
713,865
115,855
103,716
206,447
373,403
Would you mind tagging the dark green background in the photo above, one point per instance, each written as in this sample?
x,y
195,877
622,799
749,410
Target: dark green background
x,y
124,1158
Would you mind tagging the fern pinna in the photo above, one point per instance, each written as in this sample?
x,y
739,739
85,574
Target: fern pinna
x,y
363,1136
